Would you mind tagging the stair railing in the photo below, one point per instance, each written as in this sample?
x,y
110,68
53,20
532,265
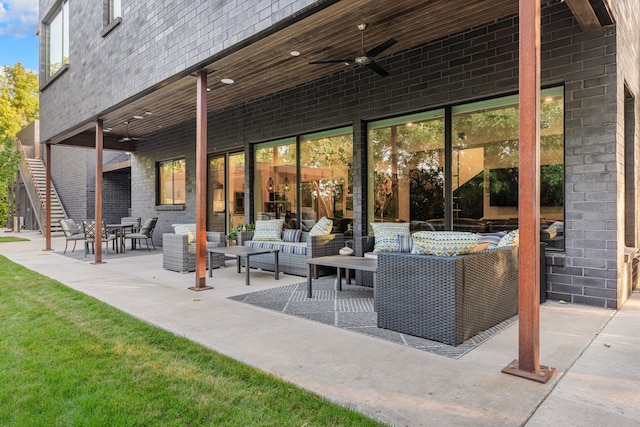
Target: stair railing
x,y
36,198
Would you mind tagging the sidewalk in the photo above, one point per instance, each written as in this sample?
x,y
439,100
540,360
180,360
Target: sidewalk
x,y
595,350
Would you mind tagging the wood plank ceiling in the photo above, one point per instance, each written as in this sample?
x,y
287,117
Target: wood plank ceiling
x,y
266,66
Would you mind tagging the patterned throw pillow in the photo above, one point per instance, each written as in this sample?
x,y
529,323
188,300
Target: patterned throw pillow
x,y
386,235
291,235
322,227
512,238
491,238
444,243
188,229
268,230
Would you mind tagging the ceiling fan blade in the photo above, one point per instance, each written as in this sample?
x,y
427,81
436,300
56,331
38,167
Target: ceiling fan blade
x,y
333,61
381,47
377,69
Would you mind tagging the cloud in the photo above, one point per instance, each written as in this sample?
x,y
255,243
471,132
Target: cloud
x,y
18,18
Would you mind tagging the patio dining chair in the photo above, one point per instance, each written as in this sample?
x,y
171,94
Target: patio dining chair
x,y
133,220
71,233
89,229
145,233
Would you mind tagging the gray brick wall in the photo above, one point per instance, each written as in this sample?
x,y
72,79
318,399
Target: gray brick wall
x,y
156,40
73,174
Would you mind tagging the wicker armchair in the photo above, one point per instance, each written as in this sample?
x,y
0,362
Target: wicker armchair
x,y
180,255
447,298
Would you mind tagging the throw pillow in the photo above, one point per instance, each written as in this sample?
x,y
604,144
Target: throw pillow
x,y
307,224
386,235
291,235
512,238
188,229
405,244
322,227
492,238
444,243
268,230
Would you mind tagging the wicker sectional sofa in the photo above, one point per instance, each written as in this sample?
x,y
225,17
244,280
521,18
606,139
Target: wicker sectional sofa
x,y
180,255
447,298
292,255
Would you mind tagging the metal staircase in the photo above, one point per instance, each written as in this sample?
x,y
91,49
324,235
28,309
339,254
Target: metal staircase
x,y
33,174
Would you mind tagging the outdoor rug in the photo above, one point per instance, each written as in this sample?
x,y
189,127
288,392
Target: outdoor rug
x,y
352,309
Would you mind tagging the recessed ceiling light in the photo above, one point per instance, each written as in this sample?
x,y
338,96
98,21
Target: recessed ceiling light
x,y
148,113
208,89
228,81
295,53
138,117
106,130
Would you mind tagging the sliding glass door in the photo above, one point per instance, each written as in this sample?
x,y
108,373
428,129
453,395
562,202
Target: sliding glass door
x,y
225,192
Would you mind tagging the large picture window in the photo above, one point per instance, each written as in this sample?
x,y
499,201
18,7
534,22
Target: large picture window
x,y
326,181
171,182
57,53
470,182
302,179
275,189
406,160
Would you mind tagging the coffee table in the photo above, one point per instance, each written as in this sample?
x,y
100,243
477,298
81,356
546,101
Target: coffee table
x,y
342,262
242,252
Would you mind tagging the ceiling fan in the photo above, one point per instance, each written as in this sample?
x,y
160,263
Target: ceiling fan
x,y
128,138
365,58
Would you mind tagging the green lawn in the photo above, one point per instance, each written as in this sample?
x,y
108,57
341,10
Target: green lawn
x,y
70,360
7,239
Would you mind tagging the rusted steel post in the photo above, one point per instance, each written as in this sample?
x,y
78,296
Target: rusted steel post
x,y
98,194
201,184
47,199
527,365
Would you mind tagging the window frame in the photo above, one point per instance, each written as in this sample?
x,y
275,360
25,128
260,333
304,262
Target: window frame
x,y
159,192
60,9
111,16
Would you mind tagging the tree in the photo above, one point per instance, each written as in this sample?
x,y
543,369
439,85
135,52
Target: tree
x,y
18,108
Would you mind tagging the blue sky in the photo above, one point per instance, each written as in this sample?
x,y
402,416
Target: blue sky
x,y
18,42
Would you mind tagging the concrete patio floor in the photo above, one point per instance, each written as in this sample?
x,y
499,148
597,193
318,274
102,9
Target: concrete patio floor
x,y
595,350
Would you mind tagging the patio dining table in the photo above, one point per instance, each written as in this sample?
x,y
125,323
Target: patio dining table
x,y
120,230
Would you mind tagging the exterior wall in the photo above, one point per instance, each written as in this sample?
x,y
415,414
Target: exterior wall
x,y
72,187
73,174
628,60
155,41
479,63
116,195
